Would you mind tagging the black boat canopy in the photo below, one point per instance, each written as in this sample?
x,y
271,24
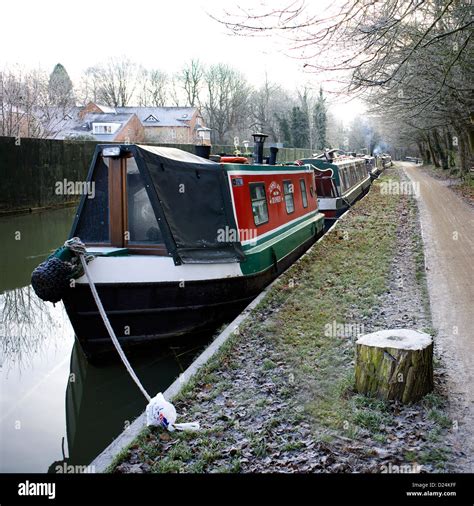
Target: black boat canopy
x,y
189,195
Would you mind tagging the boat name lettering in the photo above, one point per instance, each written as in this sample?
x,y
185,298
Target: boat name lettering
x,y
275,193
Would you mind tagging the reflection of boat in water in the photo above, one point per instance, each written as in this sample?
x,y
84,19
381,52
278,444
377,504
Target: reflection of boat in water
x,y
184,243
102,401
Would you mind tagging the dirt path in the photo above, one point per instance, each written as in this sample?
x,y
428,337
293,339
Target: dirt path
x,y
448,234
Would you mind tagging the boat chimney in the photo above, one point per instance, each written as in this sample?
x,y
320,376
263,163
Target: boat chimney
x,y
273,155
259,141
202,150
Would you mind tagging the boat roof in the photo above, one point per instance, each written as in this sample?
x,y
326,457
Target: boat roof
x,y
175,155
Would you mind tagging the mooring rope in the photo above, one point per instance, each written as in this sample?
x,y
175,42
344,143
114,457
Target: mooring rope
x,y
78,247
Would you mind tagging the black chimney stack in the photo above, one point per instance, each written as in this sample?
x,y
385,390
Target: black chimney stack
x,y
202,150
259,141
273,155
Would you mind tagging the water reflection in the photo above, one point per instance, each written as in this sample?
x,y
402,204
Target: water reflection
x,y
26,323
101,401
26,240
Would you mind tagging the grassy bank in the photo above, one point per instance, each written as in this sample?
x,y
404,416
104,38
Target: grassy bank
x,y
279,394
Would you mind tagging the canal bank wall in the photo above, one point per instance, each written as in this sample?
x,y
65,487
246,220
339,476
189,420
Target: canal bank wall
x,y
31,168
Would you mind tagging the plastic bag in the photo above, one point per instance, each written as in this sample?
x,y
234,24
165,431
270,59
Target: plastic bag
x,y
161,413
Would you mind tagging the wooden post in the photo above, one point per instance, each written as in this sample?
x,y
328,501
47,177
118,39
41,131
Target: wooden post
x,y
395,365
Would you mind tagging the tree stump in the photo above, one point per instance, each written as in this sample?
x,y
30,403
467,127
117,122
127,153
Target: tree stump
x,y
395,365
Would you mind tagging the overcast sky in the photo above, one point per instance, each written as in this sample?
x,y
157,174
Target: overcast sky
x,y
155,33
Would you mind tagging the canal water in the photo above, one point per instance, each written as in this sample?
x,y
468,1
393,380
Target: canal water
x,y
55,407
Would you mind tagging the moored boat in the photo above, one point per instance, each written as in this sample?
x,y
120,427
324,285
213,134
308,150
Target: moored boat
x,y
183,243
383,161
371,166
340,181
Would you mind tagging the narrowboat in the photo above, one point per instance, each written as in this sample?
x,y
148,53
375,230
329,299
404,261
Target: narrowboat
x,y
383,162
371,166
183,243
340,182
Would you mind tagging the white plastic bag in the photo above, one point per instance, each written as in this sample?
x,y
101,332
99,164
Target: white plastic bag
x,y
161,413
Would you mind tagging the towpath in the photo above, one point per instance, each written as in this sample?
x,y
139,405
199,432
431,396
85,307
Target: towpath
x,y
448,234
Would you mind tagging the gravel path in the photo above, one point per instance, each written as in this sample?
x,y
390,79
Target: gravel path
x,y
448,226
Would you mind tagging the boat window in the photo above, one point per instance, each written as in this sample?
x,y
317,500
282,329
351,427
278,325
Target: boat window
x,y
93,224
288,190
143,226
259,203
342,178
304,196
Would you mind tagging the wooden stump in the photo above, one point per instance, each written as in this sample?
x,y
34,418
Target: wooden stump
x,y
395,365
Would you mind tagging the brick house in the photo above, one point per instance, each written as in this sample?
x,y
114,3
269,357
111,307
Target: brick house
x,y
161,125
101,123
171,125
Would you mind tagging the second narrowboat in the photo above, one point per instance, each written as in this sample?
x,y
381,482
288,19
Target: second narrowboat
x,y
340,181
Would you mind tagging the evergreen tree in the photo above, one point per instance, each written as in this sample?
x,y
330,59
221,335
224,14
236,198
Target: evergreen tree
x,y
299,128
284,130
320,122
60,88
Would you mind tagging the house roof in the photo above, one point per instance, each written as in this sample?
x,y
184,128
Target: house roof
x,y
94,117
83,126
166,116
105,108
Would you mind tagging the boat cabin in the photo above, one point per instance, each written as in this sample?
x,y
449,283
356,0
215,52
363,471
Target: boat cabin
x,y
346,174
339,183
164,201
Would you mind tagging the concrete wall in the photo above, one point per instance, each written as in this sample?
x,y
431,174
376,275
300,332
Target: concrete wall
x,y
30,169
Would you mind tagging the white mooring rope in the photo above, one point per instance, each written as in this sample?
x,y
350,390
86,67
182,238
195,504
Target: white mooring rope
x,y
76,245
159,411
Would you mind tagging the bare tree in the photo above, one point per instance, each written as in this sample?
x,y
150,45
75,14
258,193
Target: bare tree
x,y
269,105
191,77
227,102
410,59
114,82
175,91
26,106
153,88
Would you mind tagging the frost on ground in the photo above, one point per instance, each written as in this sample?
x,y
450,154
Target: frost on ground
x,y
279,398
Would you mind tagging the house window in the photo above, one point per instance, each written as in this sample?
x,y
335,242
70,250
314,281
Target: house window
x,y
288,190
102,129
304,196
259,203
343,179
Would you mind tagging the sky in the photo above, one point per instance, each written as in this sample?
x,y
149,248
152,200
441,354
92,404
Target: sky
x,y
157,34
